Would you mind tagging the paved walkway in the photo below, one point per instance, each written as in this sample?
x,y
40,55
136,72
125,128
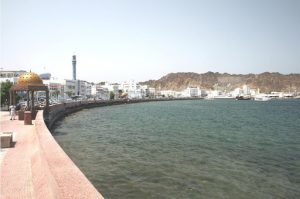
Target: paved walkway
x,y
4,150
36,167
16,163
4,116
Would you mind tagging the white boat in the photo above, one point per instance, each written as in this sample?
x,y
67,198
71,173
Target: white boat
x,y
223,97
208,98
262,98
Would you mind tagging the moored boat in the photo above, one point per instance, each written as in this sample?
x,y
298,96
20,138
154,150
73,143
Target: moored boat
x,y
243,98
262,98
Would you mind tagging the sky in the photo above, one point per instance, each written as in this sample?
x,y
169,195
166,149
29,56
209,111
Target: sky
x,y
119,40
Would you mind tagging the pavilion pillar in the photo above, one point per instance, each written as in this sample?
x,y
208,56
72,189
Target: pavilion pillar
x,y
27,92
10,97
13,97
32,102
47,99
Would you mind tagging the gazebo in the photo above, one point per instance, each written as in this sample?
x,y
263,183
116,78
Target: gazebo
x,y
29,82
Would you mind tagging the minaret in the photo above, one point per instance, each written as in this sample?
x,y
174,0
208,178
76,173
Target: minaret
x,y
74,67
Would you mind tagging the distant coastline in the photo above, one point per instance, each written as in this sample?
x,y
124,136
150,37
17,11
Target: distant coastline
x,y
266,82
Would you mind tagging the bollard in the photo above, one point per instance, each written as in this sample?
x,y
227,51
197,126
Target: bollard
x,y
27,118
21,115
6,139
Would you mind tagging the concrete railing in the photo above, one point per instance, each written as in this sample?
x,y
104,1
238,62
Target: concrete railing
x,y
54,173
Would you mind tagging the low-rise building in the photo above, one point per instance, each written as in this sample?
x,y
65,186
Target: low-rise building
x,y
133,89
193,91
150,92
168,93
88,89
100,91
246,90
65,88
11,75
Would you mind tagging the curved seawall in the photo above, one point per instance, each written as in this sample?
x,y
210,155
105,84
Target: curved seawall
x,y
54,174
58,111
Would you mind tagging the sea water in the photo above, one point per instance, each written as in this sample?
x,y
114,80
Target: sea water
x,y
188,149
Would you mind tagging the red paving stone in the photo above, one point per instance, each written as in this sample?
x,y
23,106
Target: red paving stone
x,y
37,167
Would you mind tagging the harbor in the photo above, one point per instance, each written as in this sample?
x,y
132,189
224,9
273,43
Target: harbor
x,y
150,99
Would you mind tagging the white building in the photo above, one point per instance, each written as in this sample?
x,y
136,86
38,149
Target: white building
x,y
190,92
214,94
237,92
168,93
112,88
81,88
94,90
246,90
11,76
11,73
56,88
133,90
99,91
67,88
88,89
150,92
102,93
10,79
193,91
254,92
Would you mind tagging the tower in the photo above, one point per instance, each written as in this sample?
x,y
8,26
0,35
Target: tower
x,y
74,67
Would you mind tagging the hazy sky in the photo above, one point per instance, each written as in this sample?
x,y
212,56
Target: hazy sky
x,y
118,40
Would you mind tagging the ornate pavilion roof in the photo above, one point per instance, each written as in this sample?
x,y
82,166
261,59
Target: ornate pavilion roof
x,y
29,81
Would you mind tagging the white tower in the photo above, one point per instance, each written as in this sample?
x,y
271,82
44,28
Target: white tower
x,y
74,67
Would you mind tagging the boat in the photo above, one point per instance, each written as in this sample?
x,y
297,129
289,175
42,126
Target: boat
x,y
223,97
208,98
242,98
262,98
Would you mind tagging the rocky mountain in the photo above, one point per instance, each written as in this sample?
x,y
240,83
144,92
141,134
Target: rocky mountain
x,y
266,82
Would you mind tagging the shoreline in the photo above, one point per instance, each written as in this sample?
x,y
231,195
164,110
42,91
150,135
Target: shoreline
x,y
58,111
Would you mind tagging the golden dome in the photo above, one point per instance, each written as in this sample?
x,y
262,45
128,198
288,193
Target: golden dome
x,y
30,78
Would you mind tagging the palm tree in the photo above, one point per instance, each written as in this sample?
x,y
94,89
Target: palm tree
x,y
111,95
5,86
56,93
69,93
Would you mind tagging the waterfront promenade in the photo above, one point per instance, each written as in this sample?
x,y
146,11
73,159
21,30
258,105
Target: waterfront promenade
x,y
36,167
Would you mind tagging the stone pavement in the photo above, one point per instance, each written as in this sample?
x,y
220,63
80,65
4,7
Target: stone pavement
x,y
15,165
36,167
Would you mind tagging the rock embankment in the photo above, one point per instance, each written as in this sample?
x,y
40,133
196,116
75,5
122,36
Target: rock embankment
x,y
266,82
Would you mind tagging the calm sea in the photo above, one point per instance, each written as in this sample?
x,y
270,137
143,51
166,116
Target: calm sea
x,y
188,149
